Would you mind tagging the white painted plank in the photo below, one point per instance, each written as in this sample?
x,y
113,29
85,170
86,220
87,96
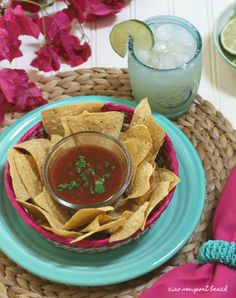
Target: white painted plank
x,y
105,56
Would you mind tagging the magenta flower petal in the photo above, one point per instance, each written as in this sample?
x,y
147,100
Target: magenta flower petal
x,y
77,9
70,48
47,59
16,90
9,42
25,24
103,8
29,7
54,24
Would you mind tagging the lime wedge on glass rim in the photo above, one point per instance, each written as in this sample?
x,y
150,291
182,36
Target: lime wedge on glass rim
x,y
228,37
138,30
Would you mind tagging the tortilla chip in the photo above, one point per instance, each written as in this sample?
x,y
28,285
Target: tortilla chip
x,y
159,193
166,175
141,183
132,225
109,122
116,223
28,172
38,149
20,190
97,222
66,127
40,216
138,131
167,181
52,118
62,233
153,181
133,152
85,216
127,205
143,116
127,214
142,138
55,139
59,212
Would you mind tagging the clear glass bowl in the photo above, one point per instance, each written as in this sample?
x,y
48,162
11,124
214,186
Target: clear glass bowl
x,y
91,138
224,17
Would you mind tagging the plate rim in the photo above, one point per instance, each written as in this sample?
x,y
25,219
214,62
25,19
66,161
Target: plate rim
x,y
35,114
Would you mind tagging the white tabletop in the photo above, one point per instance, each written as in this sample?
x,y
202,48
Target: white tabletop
x,y
218,79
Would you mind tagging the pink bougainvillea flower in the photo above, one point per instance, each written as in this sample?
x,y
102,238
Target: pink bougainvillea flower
x,y
97,9
60,43
70,48
77,9
24,23
22,18
17,91
9,42
54,24
4,49
29,7
47,59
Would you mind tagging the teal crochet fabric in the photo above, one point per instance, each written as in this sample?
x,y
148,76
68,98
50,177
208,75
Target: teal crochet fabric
x,y
218,251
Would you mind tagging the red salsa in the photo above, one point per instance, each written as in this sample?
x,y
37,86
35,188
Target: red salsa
x,y
86,175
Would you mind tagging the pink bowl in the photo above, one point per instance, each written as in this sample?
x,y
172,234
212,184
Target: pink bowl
x,y
167,154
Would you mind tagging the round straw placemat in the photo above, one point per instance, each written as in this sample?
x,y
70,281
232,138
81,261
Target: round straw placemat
x,y
213,138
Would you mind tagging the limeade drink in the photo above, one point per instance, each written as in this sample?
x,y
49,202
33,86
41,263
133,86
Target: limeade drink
x,y
174,47
169,73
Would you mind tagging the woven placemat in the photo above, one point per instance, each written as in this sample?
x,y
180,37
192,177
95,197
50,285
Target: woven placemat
x,y
209,131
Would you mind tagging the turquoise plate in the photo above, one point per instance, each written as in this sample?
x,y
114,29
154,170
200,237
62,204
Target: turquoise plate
x,y
37,255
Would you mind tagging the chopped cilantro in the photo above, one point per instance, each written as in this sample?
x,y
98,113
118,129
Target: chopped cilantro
x,y
81,163
99,187
68,186
108,165
85,180
91,189
73,184
105,176
92,171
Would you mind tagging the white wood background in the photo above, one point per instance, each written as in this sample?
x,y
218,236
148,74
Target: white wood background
x,y
218,82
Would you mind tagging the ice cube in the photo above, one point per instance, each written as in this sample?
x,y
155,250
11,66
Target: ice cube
x,y
167,61
142,55
181,59
160,47
154,61
165,32
187,38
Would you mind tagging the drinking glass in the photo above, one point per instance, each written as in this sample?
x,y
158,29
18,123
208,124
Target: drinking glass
x,y
170,92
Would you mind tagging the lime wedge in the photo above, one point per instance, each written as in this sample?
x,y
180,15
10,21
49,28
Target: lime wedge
x,y
228,37
139,31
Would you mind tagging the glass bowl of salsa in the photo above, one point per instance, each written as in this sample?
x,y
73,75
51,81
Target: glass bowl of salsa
x,y
88,169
